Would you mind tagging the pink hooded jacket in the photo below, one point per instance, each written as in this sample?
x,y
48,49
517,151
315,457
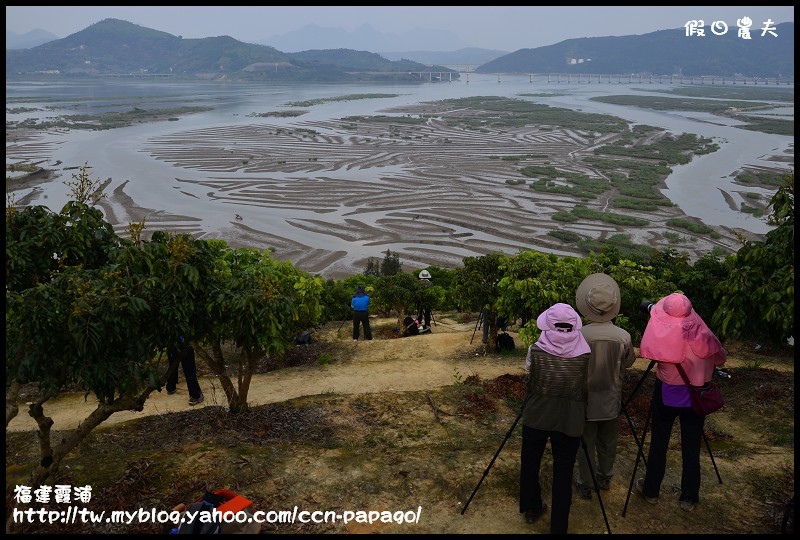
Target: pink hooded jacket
x,y
676,334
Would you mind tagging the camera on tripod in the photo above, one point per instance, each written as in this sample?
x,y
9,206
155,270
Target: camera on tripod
x,y
646,306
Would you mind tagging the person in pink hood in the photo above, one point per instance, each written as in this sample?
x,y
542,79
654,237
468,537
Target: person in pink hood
x,y
555,410
676,334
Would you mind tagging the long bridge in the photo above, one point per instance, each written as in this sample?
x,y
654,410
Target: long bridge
x,y
628,78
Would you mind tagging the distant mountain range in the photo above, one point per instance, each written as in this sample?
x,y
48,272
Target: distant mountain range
x,y
115,47
34,38
433,46
363,38
471,56
665,52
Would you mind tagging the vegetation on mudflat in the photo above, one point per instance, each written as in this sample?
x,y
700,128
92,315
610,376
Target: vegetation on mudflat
x,y
735,108
278,114
494,112
348,97
681,104
760,178
108,120
775,126
738,92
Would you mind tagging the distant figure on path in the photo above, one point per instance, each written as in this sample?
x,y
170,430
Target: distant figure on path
x,y
360,305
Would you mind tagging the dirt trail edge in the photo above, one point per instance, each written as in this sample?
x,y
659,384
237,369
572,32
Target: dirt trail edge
x,y
421,362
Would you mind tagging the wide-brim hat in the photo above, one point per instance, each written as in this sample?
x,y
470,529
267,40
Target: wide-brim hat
x,y
673,327
598,298
558,313
559,341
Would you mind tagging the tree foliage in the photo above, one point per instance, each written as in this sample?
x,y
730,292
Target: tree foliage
x,y
476,283
757,298
390,264
255,304
395,294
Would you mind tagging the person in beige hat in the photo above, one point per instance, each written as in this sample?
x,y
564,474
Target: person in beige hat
x,y
598,300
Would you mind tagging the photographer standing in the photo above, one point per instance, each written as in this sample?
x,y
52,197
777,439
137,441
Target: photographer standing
x,y
676,334
555,409
598,299
360,305
424,309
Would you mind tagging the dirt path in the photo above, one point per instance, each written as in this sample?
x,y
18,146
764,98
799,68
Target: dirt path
x,y
365,440
382,365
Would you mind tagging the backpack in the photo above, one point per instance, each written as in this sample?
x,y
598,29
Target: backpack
x,y
202,523
303,338
410,328
504,342
223,501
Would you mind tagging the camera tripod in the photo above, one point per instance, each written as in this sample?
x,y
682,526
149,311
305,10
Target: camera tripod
x,y
508,435
640,445
482,319
344,321
477,323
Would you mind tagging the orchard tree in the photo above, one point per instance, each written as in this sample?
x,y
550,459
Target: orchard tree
x,y
100,330
699,284
255,304
757,298
336,297
396,294
534,281
40,243
88,310
476,284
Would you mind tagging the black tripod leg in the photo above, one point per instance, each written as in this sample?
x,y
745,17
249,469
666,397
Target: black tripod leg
x,y
341,325
714,463
486,472
638,384
596,483
628,418
638,454
635,436
480,318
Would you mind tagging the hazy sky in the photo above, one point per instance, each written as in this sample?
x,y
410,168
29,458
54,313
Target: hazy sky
x,y
506,28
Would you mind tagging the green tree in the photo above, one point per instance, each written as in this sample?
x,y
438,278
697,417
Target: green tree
x,y
373,268
534,281
255,304
395,294
477,285
41,243
336,297
100,330
757,298
391,264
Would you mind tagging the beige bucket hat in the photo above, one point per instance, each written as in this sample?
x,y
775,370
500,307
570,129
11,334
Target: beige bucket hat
x,y
598,298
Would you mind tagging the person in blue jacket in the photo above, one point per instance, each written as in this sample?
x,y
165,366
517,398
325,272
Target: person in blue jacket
x,y
360,305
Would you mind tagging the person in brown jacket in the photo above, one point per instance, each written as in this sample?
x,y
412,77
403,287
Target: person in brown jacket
x,y
598,300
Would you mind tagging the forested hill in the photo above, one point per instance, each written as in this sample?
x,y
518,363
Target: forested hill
x,y
665,52
116,47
